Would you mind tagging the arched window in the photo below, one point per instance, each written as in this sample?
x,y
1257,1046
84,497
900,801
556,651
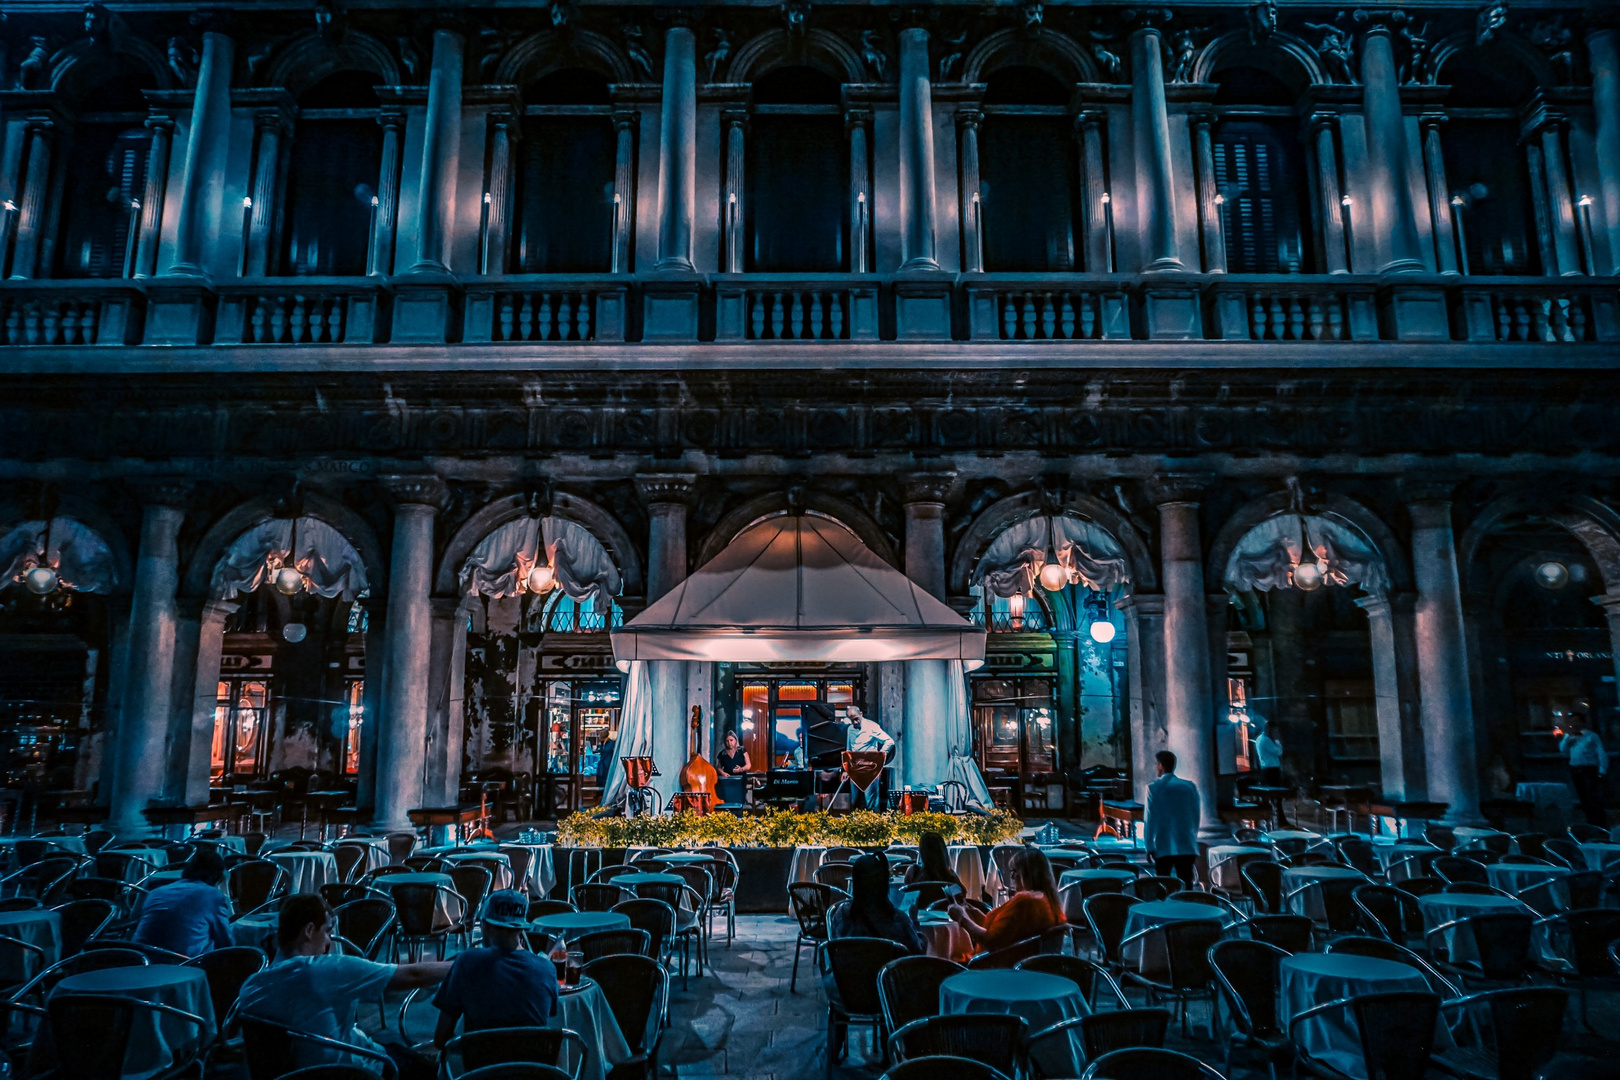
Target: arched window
x,y
332,177
1491,196
796,175
565,174
1029,173
1261,181
105,180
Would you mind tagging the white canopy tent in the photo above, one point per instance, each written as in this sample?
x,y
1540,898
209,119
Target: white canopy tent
x,y
798,587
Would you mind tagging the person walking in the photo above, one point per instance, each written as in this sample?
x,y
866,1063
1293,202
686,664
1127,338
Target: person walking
x,y
1172,821
1588,764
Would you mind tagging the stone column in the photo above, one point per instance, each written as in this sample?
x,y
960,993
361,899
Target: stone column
x,y
270,127
924,752
624,186
677,152
1150,127
199,709
1386,695
667,497
1391,216
1189,715
1603,51
917,213
967,127
207,143
925,531
142,738
858,126
736,121
1330,205
157,184
1094,181
403,726
498,190
1144,666
441,156
1610,603
1560,202
1434,168
1067,724
1447,711
1209,197
34,201
381,256
446,676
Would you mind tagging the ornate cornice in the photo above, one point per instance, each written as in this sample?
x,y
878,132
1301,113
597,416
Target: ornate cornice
x,y
413,489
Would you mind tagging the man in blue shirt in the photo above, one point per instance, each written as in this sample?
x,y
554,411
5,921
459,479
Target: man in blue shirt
x,y
501,984
190,916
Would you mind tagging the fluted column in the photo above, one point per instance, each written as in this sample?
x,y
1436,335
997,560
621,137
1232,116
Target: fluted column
x,y
736,121
270,127
1386,695
381,256
498,192
1434,169
1209,197
1330,205
677,151
207,144
1094,182
34,199
1391,216
624,186
142,737
972,214
858,127
924,753
1189,713
1150,125
403,726
667,498
1603,51
441,156
918,231
152,199
1447,710
1549,128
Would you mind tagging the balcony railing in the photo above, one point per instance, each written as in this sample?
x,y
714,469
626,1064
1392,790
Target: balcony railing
x,y
1038,311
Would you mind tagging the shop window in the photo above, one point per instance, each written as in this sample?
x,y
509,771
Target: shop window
x,y
1013,724
332,178
1029,173
1237,713
1260,182
796,175
354,692
1352,720
241,723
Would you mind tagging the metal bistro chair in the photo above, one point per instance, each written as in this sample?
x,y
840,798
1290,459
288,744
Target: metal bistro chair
x,y
811,901
1395,1032
91,1034
476,1050
1388,912
269,1049
1051,1051
597,896
1106,914
908,988
1501,942
1525,1026
937,1066
849,970
1290,933
989,1038
1187,974
1247,975
637,990
1148,1063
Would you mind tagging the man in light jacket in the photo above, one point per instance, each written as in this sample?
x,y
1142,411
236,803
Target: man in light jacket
x,y
1588,762
1172,821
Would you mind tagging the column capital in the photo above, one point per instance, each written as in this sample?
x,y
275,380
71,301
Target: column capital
x,y
1322,118
1609,602
1141,603
416,490
926,487
857,116
625,116
969,116
1374,604
1089,118
1427,490
272,105
1172,489
175,494
667,488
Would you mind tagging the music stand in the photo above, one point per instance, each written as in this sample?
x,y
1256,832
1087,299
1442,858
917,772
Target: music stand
x,y
862,769
638,789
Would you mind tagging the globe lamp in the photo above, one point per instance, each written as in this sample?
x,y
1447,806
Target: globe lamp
x,y
1102,631
289,580
1054,576
1552,575
40,580
1307,577
541,579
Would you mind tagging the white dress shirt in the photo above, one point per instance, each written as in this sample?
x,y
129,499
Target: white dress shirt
x,y
1585,749
1269,751
867,736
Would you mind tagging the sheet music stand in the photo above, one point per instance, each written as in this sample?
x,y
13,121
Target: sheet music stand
x,y
639,794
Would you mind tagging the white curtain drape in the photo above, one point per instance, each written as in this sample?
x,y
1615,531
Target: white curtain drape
x,y
635,729
1267,554
329,563
1011,563
504,558
959,732
82,559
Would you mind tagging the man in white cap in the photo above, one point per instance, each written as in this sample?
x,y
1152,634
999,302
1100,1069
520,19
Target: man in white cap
x,y
500,984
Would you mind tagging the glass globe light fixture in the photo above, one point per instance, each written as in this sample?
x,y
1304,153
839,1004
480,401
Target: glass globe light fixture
x,y
1307,577
1054,576
1102,631
294,632
289,581
542,578
1552,575
40,580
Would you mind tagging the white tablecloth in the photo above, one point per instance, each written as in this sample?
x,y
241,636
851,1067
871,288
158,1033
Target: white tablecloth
x,y
586,1011
542,874
448,905
309,870
154,859
154,1039
75,844
1041,999
40,927
1070,877
1309,979
1148,954
1394,859
502,865
1225,867
943,937
256,930
1442,908
1467,834
1308,901
1601,856
1517,877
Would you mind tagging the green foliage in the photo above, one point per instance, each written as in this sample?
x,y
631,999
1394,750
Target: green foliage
x,y
781,828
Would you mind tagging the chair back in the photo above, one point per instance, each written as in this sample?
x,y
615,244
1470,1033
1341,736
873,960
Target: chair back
x,y
837,874
1151,888
414,904
1454,868
1423,885
1589,934
1384,914
350,858
1339,904
989,1038
654,916
811,901
96,839
91,1034
1008,956
1091,978
1106,914
251,883
1001,857
1247,974
1104,1032
908,988
519,858
271,1050
1531,843
597,896
337,894
502,1046
83,920
400,846
226,970
1585,889
600,943
935,1066
1187,946
1396,1033
365,922
1502,940
841,854
636,988
1262,883
1358,853
31,850
1148,1063
1290,933
472,882
851,966
1527,1025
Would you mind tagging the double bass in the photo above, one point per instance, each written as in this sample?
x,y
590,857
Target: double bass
x,y
698,776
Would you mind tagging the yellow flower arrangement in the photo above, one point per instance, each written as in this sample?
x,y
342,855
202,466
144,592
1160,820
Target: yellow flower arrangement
x,y
781,828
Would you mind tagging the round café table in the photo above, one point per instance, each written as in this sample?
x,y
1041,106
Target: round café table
x,y
1402,861
586,1011
1148,953
39,927
1442,908
1468,834
1071,877
1041,999
572,924
1515,878
258,931
1306,980
1601,857
1307,901
943,936
307,870
632,880
1226,863
684,858
155,1039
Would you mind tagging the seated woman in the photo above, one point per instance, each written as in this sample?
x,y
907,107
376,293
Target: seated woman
x,y
869,912
933,861
1032,909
